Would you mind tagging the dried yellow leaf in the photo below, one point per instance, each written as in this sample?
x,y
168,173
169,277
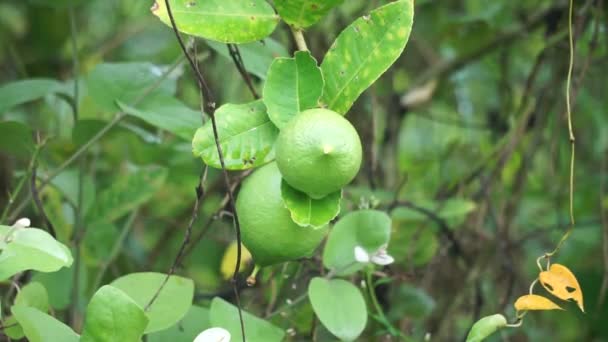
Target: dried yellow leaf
x,y
229,259
562,283
534,302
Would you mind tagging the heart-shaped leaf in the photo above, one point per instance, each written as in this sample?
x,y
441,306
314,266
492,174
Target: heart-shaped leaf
x,y
234,21
304,13
225,315
368,229
534,302
39,327
293,85
171,304
33,295
113,316
246,135
363,52
486,327
562,283
30,249
309,212
339,306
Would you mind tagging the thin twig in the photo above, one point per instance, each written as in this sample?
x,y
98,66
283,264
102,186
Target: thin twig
x,y
235,53
298,36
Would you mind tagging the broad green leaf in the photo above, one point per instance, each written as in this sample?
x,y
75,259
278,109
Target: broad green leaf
x,y
257,56
562,283
363,52
60,291
19,92
113,316
59,213
125,82
304,13
486,327
293,85
16,139
127,193
246,135
30,249
172,303
195,321
534,302
225,315
306,211
33,295
40,327
234,21
168,114
339,306
369,229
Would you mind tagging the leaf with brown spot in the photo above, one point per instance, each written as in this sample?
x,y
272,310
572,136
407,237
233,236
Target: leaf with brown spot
x,y
534,302
562,283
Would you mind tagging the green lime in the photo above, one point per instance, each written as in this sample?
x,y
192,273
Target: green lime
x,y
267,229
318,152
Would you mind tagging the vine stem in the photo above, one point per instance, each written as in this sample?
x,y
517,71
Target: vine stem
x,y
298,36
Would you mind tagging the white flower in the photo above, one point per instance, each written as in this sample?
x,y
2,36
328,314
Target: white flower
x,y
213,335
22,223
379,257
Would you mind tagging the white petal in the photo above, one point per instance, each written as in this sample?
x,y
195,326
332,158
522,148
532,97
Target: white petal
x,y
22,223
361,254
382,259
213,335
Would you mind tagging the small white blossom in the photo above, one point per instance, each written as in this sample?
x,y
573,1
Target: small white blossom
x,y
22,223
213,335
379,257
361,255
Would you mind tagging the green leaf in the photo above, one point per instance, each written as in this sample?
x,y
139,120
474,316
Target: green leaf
x,y
113,316
257,56
172,303
363,52
125,82
127,193
33,295
306,211
16,139
40,327
339,306
245,133
293,85
486,327
195,321
19,92
234,21
304,13
168,114
30,249
369,229
225,315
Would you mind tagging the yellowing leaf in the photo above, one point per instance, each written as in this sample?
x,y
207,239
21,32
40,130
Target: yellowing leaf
x,y
534,302
561,283
229,259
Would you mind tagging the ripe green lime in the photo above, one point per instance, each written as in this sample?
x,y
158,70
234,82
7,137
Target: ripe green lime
x,y
267,229
318,152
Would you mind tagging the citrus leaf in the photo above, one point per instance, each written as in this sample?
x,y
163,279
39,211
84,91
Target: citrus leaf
x,y
222,314
363,52
304,13
306,211
39,327
293,85
369,229
33,295
339,306
113,316
19,92
229,259
246,135
486,327
534,302
171,304
30,249
562,283
234,21
196,320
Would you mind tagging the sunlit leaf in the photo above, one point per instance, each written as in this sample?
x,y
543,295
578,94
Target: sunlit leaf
x,y
486,327
33,295
303,13
39,327
229,259
562,283
534,302
225,315
307,211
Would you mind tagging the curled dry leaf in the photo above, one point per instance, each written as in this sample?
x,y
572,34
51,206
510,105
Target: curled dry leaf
x,y
535,302
562,283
